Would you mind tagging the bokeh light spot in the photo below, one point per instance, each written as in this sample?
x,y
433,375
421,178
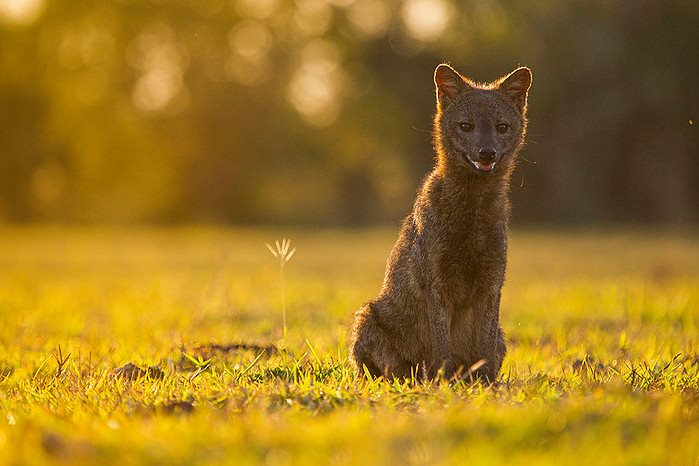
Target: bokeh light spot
x,y
23,12
155,89
258,9
249,62
370,18
318,83
425,20
312,18
162,63
250,39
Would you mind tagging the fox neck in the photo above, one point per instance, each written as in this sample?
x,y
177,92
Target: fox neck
x,y
478,197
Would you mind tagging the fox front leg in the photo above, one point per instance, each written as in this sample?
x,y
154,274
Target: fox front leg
x,y
440,341
490,338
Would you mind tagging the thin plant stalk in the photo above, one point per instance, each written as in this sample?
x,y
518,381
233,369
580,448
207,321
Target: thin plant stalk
x,y
283,253
281,275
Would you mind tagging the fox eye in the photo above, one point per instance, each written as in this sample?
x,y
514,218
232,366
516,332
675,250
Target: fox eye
x,y
465,127
502,127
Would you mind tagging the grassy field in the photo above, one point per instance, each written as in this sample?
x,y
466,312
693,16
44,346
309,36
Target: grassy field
x,y
602,368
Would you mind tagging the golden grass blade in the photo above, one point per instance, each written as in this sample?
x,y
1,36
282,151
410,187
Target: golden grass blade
x,y
271,249
477,365
290,254
279,249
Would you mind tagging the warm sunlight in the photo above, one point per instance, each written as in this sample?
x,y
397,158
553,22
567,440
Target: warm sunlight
x,y
318,83
426,19
161,64
259,9
249,62
369,17
311,18
495,204
21,11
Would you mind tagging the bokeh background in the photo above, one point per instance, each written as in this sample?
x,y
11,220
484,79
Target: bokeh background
x,y
318,112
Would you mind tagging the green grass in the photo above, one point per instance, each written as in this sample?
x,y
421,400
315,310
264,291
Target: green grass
x,y
603,361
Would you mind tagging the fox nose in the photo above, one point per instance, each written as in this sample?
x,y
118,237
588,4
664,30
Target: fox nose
x,y
486,154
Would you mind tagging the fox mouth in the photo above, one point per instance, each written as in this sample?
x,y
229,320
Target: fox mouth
x,y
484,167
480,166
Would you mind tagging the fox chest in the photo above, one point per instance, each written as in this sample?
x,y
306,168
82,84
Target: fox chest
x,y
469,274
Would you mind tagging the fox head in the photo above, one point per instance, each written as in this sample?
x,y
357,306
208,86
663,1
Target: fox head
x,y
479,128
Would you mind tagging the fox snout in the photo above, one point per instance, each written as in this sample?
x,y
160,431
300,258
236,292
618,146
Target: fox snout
x,y
486,160
487,154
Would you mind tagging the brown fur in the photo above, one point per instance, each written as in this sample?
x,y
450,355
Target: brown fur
x,y
439,304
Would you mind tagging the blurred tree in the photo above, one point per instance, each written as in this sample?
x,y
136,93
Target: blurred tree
x,y
319,111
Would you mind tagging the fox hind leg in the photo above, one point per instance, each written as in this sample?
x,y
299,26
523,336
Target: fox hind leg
x,y
371,348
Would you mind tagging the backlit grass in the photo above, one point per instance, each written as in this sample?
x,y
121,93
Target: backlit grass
x,y
603,361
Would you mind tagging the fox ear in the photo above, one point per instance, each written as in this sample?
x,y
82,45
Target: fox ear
x,y
449,84
516,86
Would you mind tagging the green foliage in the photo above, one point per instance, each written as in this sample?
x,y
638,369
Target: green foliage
x,y
602,364
181,110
